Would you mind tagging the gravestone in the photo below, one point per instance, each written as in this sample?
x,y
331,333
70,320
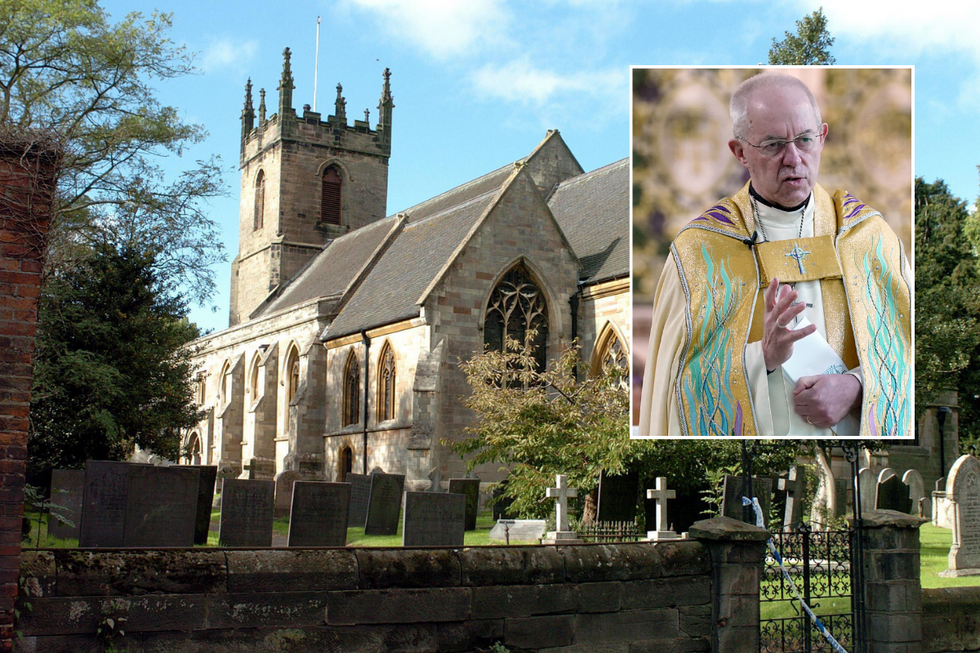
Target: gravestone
x,y
284,491
518,530
247,509
161,506
470,487
963,491
892,494
733,489
660,494
434,519
617,497
205,500
841,485
917,492
319,514
500,505
67,486
360,493
562,493
869,487
793,487
384,504
104,497
435,481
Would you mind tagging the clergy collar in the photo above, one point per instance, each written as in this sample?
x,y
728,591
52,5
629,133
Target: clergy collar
x,y
763,200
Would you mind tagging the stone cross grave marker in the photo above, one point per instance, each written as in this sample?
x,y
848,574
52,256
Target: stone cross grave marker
x,y
284,491
471,488
794,487
733,489
963,491
319,514
104,497
205,499
360,492
892,494
384,504
247,509
661,494
617,497
66,500
562,493
917,492
161,506
435,481
434,519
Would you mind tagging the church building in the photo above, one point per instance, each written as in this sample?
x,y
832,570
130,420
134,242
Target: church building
x,y
347,325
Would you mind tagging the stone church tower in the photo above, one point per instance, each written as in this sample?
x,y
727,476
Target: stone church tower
x,y
305,182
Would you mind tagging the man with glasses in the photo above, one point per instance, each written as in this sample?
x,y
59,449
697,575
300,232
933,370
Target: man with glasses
x,y
782,311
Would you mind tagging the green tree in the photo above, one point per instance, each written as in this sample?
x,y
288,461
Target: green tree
x,y
67,70
947,295
809,46
112,368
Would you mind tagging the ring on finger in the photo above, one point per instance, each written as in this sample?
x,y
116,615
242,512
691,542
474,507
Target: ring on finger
x,y
808,420
781,326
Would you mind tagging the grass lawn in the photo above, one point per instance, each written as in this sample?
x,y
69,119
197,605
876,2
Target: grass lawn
x,y
934,543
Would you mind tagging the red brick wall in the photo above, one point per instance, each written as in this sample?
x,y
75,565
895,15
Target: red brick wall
x,y
26,184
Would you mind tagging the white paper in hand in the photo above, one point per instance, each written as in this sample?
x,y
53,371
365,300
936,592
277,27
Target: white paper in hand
x,y
811,356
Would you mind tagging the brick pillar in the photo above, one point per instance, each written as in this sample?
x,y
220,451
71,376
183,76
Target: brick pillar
x,y
893,592
27,172
737,553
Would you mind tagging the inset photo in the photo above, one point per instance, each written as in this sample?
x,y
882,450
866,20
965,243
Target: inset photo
x,y
771,252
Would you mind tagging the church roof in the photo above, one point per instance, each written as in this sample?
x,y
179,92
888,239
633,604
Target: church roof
x,y
396,281
593,211
331,271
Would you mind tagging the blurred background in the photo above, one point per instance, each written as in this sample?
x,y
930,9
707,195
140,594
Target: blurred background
x,y
682,164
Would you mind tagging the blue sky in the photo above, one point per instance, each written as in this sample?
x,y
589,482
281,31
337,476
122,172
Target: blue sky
x,y
478,82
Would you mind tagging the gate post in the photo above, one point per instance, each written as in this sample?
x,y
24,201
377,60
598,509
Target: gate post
x,y
891,581
737,554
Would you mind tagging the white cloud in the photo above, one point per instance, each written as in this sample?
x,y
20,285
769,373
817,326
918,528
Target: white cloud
x,y
226,53
442,28
521,82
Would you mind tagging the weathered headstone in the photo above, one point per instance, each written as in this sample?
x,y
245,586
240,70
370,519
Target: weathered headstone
x,y
247,509
384,504
434,519
205,499
470,487
793,487
661,494
963,491
733,489
360,493
518,530
868,487
562,493
617,497
66,500
892,494
319,514
284,491
104,498
917,491
161,506
841,485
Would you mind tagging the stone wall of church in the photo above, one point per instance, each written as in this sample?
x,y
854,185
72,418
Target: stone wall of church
x,y
603,306
518,229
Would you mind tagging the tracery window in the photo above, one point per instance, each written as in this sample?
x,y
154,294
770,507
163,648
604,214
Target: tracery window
x,y
609,352
352,385
259,200
330,196
516,308
194,449
292,375
386,383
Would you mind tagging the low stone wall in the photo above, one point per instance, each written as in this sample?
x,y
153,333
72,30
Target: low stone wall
x,y
628,598
951,619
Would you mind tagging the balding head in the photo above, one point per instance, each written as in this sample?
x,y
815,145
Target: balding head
x,y
765,83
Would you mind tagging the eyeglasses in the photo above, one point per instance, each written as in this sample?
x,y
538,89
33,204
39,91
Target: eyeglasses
x,y
806,142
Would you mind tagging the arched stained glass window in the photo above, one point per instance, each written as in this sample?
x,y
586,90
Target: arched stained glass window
x,y
352,385
516,307
330,196
292,375
386,384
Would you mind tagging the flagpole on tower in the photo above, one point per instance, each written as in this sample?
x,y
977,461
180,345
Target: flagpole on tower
x,y
316,62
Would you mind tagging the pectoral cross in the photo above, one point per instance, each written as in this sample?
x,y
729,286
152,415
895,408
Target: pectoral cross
x,y
798,254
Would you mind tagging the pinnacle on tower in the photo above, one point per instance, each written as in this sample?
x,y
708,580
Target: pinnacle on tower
x,y
385,105
286,86
248,115
340,106
261,107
